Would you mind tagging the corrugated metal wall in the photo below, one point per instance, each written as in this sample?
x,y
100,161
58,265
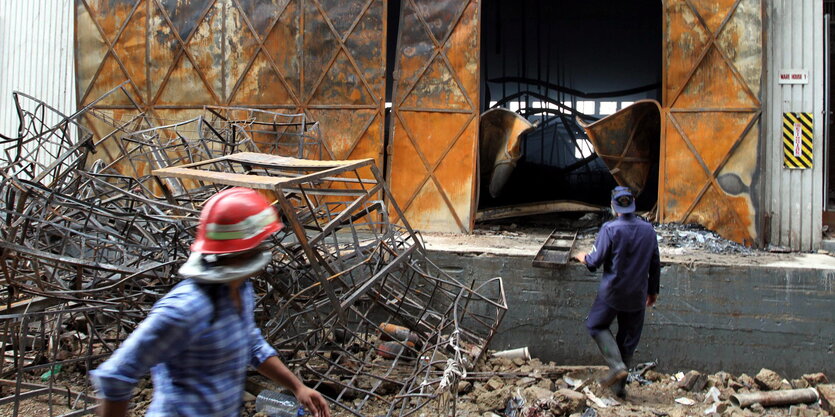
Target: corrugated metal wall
x,y
793,197
36,55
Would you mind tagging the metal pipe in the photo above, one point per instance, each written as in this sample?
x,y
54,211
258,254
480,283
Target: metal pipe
x,y
775,398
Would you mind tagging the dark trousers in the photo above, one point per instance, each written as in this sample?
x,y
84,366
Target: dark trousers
x,y
630,325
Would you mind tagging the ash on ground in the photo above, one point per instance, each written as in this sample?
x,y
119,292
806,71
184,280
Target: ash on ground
x,y
693,236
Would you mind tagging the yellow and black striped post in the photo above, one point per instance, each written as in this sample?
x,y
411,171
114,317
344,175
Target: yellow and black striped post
x,y
798,131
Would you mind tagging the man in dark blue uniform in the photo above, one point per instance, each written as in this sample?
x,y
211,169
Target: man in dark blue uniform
x,y
627,249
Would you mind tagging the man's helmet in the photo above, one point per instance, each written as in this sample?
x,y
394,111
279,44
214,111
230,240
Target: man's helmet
x,y
233,222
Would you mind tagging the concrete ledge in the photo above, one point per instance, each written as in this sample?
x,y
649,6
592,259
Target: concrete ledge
x,y
737,318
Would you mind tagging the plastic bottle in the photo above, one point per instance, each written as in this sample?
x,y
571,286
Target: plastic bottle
x,y
277,404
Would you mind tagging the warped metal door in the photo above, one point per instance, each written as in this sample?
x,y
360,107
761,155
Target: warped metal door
x,y
324,58
433,151
713,60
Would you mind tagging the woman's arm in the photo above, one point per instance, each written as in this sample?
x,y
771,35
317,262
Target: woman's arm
x,y
166,331
109,408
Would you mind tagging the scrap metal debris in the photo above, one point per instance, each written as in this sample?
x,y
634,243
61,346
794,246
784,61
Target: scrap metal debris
x,y
636,374
692,236
350,300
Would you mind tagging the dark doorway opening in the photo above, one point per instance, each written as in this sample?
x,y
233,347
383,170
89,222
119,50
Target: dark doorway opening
x,y
550,62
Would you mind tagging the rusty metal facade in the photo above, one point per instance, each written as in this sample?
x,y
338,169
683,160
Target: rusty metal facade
x,y
710,151
433,151
323,58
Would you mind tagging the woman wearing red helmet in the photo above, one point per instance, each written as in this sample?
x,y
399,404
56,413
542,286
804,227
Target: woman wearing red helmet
x,y
199,338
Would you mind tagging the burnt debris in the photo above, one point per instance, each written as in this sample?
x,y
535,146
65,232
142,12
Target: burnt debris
x,y
93,233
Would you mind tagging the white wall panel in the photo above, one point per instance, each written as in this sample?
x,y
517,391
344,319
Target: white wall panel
x,y
36,56
793,197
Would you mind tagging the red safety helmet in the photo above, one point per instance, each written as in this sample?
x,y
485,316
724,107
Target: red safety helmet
x,y
235,220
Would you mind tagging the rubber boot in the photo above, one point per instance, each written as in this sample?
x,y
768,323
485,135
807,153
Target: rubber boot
x,y
609,348
619,388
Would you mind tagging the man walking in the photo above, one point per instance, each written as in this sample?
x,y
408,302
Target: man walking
x,y
627,249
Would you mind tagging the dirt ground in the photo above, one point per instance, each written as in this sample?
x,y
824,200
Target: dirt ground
x,y
548,389
551,390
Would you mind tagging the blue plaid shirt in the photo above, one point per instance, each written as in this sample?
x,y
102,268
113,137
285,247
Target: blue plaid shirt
x,y
197,352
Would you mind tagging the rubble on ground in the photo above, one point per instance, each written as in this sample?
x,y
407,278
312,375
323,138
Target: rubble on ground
x,y
548,389
694,236
532,388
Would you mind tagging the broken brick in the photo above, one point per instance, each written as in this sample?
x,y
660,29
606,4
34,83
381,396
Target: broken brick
x,y
746,381
571,401
827,397
534,393
494,383
720,379
525,382
768,380
816,379
653,375
493,400
693,381
549,384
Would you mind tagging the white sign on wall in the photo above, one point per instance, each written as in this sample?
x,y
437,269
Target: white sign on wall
x,y
793,76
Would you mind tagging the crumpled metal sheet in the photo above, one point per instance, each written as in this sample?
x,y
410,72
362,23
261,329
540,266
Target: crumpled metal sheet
x,y
627,142
499,147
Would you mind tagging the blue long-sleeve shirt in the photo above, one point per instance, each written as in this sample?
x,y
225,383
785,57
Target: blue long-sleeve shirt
x,y
627,249
197,352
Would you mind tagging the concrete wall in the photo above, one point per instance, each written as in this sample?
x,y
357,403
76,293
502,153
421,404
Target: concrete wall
x,y
709,318
794,197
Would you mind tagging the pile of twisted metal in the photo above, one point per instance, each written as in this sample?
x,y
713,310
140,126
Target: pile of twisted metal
x,y
350,300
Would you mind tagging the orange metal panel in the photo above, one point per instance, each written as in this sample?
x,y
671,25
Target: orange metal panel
x,y
324,58
433,151
710,151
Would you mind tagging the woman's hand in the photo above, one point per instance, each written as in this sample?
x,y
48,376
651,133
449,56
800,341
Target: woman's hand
x,y
313,402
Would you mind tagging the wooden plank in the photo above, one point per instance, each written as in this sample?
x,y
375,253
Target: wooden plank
x,y
30,305
278,161
260,182
530,209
